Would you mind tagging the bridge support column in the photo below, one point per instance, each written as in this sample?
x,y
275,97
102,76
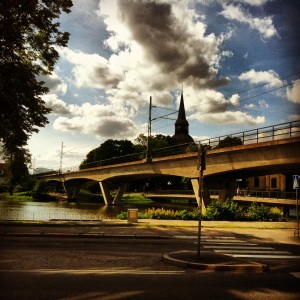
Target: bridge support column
x,y
228,190
67,190
206,197
119,193
106,193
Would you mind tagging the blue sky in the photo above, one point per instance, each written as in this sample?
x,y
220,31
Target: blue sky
x,y
237,61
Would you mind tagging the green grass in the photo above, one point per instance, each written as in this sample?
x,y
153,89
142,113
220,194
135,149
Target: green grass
x,y
136,198
21,196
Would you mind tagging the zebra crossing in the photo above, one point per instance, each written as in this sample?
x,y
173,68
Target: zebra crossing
x,y
232,246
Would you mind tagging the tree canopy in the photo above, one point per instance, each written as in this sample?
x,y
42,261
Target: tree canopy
x,y
109,149
230,141
29,32
117,148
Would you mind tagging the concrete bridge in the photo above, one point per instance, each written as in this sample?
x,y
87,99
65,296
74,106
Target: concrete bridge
x,y
222,165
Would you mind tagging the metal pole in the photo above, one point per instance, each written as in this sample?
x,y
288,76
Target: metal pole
x,y
297,214
200,210
202,167
149,130
61,155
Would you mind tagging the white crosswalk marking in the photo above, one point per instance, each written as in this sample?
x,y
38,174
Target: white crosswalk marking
x,y
231,246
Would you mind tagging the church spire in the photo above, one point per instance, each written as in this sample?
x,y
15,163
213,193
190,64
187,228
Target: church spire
x,y
181,119
182,125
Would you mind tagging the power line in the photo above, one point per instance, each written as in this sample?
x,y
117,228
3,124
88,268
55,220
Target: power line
x,y
245,99
240,101
251,97
268,83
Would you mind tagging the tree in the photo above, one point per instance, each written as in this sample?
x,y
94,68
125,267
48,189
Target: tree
x,y
109,149
17,168
230,141
29,32
156,142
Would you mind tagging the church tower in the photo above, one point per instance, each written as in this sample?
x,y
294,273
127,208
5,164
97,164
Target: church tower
x,y
181,135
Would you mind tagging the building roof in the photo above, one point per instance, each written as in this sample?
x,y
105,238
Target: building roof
x,y
181,135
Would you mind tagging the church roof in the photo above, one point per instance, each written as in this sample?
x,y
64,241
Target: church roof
x,y
181,135
181,119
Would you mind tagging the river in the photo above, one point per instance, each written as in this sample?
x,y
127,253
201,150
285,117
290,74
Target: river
x,y
46,211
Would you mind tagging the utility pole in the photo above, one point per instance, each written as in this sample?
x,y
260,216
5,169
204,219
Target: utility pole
x,y
201,168
149,130
61,155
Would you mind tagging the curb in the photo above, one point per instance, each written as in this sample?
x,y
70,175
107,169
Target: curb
x,y
222,262
83,235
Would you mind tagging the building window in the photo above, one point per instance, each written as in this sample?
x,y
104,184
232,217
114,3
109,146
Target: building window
x,y
274,183
256,182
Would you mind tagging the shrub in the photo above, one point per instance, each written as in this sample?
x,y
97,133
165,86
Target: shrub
x,y
164,214
258,212
223,211
214,211
122,215
276,214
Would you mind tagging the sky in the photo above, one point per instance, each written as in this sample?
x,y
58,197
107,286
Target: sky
x,y
236,62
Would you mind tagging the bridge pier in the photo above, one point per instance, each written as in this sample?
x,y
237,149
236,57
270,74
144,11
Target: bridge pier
x,y
71,191
106,193
228,190
105,190
119,194
206,196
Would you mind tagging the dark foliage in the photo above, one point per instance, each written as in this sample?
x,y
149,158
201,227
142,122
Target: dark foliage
x,y
29,30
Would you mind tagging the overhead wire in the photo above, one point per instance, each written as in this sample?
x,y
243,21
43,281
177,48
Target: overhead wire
x,y
250,97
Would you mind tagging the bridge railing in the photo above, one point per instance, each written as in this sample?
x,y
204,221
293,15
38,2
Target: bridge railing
x,y
279,195
269,133
264,134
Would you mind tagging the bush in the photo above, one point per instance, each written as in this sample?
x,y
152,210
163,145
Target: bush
x,y
223,211
164,214
122,215
276,214
215,211
259,212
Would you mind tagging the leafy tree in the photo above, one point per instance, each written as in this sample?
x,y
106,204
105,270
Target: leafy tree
x,y
230,141
156,142
17,168
108,149
29,32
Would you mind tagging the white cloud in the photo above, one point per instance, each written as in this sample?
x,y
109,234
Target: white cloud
x,y
293,92
58,106
55,84
294,117
98,120
255,2
156,47
148,56
231,118
257,77
92,70
262,104
264,25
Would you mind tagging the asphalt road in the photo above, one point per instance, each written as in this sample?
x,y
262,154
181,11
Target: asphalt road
x,y
132,268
